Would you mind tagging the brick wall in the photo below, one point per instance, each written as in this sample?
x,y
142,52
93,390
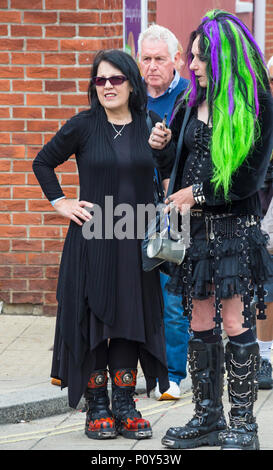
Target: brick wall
x,y
269,30
45,57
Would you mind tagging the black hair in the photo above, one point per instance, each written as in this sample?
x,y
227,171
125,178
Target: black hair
x,y
128,66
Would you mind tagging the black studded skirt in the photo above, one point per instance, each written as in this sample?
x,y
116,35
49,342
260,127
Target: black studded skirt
x,y
227,256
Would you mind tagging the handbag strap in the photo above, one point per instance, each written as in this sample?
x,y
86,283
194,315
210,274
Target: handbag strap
x,y
178,152
178,148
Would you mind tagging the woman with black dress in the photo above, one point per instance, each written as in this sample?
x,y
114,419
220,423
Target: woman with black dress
x,y
109,310
226,150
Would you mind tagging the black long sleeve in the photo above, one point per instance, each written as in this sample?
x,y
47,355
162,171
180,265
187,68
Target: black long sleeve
x,y
65,143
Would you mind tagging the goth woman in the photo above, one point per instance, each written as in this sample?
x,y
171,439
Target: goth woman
x,y
226,150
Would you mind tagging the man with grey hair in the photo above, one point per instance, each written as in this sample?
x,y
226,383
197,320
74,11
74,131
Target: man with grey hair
x,y
160,62
160,59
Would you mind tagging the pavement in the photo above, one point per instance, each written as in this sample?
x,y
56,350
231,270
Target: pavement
x,y
26,391
34,414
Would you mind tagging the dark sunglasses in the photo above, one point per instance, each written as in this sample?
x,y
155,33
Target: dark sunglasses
x,y
271,79
115,80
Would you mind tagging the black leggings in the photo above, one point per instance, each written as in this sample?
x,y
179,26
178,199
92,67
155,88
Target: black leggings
x,y
119,354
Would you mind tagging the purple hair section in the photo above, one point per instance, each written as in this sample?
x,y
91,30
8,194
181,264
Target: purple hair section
x,y
211,30
252,75
249,36
230,97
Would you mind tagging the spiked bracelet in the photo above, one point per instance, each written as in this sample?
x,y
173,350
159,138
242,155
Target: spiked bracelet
x,y
197,191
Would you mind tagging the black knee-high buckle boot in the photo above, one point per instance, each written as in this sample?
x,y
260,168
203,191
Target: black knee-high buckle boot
x,y
242,362
100,423
206,366
129,422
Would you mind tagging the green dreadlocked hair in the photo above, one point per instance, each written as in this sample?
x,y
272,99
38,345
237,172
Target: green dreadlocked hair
x,y
236,71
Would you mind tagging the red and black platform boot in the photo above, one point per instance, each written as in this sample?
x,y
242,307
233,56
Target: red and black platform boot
x,y
100,423
129,422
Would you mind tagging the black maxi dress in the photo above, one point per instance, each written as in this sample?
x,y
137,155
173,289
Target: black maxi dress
x,y
227,255
102,290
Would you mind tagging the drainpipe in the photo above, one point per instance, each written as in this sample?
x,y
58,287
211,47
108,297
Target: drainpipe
x,y
259,22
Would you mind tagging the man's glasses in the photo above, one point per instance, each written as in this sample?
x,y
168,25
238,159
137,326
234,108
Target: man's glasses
x,y
271,79
115,80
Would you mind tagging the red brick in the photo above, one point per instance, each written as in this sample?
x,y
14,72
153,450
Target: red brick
x,y
55,246
4,112
5,272
60,31
40,259
5,296
43,284
54,219
59,113
21,4
10,17
41,100
26,139
4,85
50,310
10,205
42,45
7,231
11,44
4,30
6,125
27,298
4,245
4,138
85,59
40,17
25,58
50,297
26,30
4,58
28,271
13,284
83,86
28,113
12,151
10,178
42,126
74,100
26,193
91,4
60,85
75,72
86,17
60,4
27,85
5,219
4,193
11,99
27,219
44,232
70,179
5,165
83,44
42,72
22,165
63,59
11,72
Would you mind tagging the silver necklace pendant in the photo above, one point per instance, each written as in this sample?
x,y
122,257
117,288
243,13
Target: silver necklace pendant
x,y
118,133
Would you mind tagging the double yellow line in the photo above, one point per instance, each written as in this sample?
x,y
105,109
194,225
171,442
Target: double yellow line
x,y
150,410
